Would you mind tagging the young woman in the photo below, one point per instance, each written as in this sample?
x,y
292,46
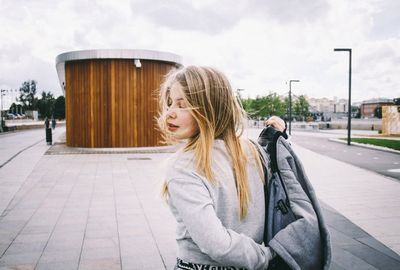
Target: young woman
x,y
214,184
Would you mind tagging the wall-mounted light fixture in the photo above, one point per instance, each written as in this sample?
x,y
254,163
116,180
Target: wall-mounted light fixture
x,y
137,63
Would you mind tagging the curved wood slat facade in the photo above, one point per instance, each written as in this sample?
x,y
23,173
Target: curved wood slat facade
x,y
111,103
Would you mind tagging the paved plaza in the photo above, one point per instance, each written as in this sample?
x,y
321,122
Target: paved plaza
x,y
63,209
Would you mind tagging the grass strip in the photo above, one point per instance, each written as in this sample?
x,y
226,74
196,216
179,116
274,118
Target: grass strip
x,y
393,144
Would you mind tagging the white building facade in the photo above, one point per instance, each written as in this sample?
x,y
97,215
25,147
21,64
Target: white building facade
x,y
325,105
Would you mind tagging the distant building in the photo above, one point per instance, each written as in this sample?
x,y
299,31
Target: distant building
x,y
327,106
368,107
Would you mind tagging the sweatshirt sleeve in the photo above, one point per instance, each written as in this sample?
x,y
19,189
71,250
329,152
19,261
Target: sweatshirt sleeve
x,y
191,198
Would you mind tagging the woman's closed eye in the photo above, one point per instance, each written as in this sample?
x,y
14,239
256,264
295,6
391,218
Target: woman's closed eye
x,y
180,103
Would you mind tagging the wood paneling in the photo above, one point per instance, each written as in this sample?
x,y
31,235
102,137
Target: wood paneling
x,y
111,103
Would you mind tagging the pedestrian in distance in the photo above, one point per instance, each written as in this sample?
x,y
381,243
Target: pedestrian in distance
x,y
46,123
53,123
49,137
214,183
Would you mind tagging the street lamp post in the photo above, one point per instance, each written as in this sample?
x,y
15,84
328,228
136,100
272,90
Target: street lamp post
x,y
238,91
349,106
238,96
290,105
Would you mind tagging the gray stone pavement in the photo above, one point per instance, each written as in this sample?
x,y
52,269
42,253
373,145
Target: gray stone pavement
x,y
368,199
103,211
22,150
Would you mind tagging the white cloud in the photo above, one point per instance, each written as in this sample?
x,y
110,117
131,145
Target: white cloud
x,y
260,45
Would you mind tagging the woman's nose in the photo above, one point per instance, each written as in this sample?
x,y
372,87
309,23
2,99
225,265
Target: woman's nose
x,y
171,113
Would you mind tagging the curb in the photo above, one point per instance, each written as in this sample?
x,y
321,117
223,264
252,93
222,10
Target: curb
x,y
374,147
61,149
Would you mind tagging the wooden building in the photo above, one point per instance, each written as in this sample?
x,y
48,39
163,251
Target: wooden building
x,y
111,96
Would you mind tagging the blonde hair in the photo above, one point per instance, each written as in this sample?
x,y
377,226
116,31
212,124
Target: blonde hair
x,y
219,115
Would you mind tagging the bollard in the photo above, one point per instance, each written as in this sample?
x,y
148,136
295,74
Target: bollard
x,y
49,139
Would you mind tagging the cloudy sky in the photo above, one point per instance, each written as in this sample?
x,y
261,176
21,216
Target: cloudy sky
x,y
259,44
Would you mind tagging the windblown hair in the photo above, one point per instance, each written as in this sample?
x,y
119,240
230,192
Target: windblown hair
x,y
219,115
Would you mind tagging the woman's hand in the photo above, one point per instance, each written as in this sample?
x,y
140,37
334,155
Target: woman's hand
x,y
276,122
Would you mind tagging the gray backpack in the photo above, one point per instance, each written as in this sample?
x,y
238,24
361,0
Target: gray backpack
x,y
294,225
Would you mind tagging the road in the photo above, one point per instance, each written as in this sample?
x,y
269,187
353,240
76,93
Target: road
x,y
381,162
14,143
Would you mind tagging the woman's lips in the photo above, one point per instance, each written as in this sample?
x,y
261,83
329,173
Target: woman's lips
x,y
172,127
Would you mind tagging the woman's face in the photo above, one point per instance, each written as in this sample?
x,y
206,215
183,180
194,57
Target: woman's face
x,y
180,122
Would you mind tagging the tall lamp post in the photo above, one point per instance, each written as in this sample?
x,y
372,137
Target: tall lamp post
x,y
238,92
238,96
290,105
349,106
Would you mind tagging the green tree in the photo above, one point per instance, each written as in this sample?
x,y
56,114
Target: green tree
x,y
27,94
286,105
355,111
378,112
59,108
13,108
45,105
275,105
16,108
252,106
246,104
264,106
259,106
301,107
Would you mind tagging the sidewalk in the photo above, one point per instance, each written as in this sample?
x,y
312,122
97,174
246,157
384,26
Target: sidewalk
x,y
103,211
23,124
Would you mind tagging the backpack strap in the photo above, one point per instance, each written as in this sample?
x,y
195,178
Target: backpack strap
x,y
268,138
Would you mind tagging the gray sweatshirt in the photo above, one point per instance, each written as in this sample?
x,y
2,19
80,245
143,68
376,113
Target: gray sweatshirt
x,y
209,230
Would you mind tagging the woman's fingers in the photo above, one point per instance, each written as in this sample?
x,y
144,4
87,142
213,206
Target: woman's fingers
x,y
276,122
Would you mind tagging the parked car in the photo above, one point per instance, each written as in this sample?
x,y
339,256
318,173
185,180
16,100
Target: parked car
x,y
10,116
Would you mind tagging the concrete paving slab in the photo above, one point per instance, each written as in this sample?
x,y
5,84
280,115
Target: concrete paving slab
x,y
345,260
20,260
59,265
358,194
376,245
376,259
100,264
103,211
